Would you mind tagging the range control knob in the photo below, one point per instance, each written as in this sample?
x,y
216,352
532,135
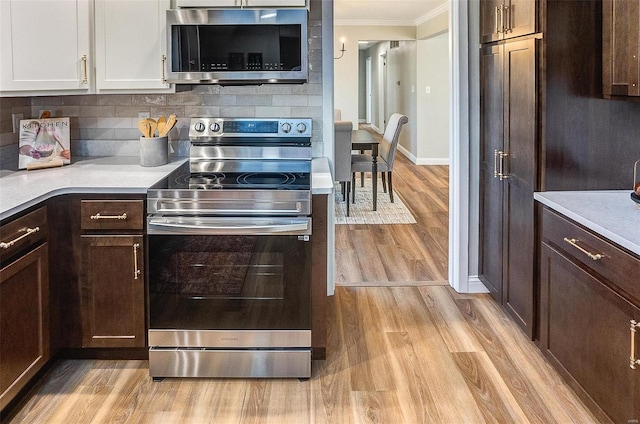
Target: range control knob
x,y
286,128
199,126
215,127
301,127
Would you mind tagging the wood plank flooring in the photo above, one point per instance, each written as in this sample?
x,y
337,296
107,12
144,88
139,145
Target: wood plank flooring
x,y
396,355
401,254
408,350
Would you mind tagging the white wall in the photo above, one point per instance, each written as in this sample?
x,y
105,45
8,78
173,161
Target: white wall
x,y
425,139
433,108
346,68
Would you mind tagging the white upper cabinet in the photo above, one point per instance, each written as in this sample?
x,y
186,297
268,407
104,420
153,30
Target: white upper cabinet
x,y
130,44
69,47
241,3
45,45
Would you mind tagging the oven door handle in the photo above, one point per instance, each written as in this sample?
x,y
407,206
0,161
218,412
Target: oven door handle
x,y
215,226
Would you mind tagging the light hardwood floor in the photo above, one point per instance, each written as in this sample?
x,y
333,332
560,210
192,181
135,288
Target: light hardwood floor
x,y
415,353
401,254
396,355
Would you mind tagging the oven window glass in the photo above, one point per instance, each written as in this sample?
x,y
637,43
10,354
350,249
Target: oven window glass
x,y
229,282
208,48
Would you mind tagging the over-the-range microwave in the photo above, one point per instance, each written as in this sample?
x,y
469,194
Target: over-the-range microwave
x,y
237,46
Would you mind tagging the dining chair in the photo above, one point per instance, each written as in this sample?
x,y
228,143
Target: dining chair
x,y
342,158
363,162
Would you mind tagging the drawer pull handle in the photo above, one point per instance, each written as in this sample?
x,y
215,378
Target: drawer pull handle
x,y
27,231
632,358
98,216
136,271
574,242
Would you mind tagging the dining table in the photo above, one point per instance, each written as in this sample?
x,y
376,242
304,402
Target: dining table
x,y
363,140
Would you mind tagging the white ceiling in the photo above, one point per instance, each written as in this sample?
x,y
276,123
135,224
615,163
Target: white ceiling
x,y
384,12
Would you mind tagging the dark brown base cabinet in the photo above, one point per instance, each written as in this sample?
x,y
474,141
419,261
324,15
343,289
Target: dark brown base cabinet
x,y
112,292
586,324
112,287
24,305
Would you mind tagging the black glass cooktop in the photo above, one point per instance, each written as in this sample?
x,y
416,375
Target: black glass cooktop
x,y
183,179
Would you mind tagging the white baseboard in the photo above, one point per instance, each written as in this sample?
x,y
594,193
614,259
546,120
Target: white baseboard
x,y
475,285
422,161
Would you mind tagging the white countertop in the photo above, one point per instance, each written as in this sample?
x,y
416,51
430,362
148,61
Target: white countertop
x,y
611,214
114,174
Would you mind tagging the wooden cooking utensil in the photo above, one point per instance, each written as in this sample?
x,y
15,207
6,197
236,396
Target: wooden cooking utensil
x,y
171,122
153,125
162,122
144,127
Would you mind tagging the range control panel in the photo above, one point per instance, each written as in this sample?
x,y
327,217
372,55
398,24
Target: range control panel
x,y
205,127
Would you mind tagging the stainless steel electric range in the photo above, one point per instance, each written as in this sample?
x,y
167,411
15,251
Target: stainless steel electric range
x,y
230,254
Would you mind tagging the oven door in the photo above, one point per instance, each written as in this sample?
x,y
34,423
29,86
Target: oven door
x,y
208,275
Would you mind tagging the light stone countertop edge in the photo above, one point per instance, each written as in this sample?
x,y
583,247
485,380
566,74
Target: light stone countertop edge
x,y
609,213
321,179
20,190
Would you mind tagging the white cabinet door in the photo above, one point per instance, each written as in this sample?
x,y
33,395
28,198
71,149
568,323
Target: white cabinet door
x,y
43,43
130,44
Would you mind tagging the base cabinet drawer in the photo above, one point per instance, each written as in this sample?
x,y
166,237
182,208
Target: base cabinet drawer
x,y
586,334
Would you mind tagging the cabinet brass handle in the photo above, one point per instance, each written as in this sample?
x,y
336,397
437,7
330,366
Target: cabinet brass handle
x,y
506,27
632,357
98,216
495,163
164,60
136,271
28,231
574,242
497,12
85,78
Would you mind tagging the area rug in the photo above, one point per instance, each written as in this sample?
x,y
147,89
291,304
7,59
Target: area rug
x,y
361,212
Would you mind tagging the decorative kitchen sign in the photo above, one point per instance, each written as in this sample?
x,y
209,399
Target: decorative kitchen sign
x,y
44,143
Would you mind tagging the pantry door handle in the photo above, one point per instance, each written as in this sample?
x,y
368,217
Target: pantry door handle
x,y
497,12
495,163
136,270
501,174
574,242
28,231
98,216
632,357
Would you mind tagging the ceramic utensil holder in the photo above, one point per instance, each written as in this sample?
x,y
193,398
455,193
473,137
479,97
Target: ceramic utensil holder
x,y
154,151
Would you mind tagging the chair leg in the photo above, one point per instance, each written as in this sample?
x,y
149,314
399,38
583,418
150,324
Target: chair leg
x,y
384,181
389,174
343,185
348,184
353,188
362,179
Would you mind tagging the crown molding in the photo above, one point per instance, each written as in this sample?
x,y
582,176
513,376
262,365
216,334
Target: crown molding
x,y
358,22
443,8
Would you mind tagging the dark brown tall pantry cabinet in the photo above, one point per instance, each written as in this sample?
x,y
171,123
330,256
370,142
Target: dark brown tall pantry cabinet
x,y
508,170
